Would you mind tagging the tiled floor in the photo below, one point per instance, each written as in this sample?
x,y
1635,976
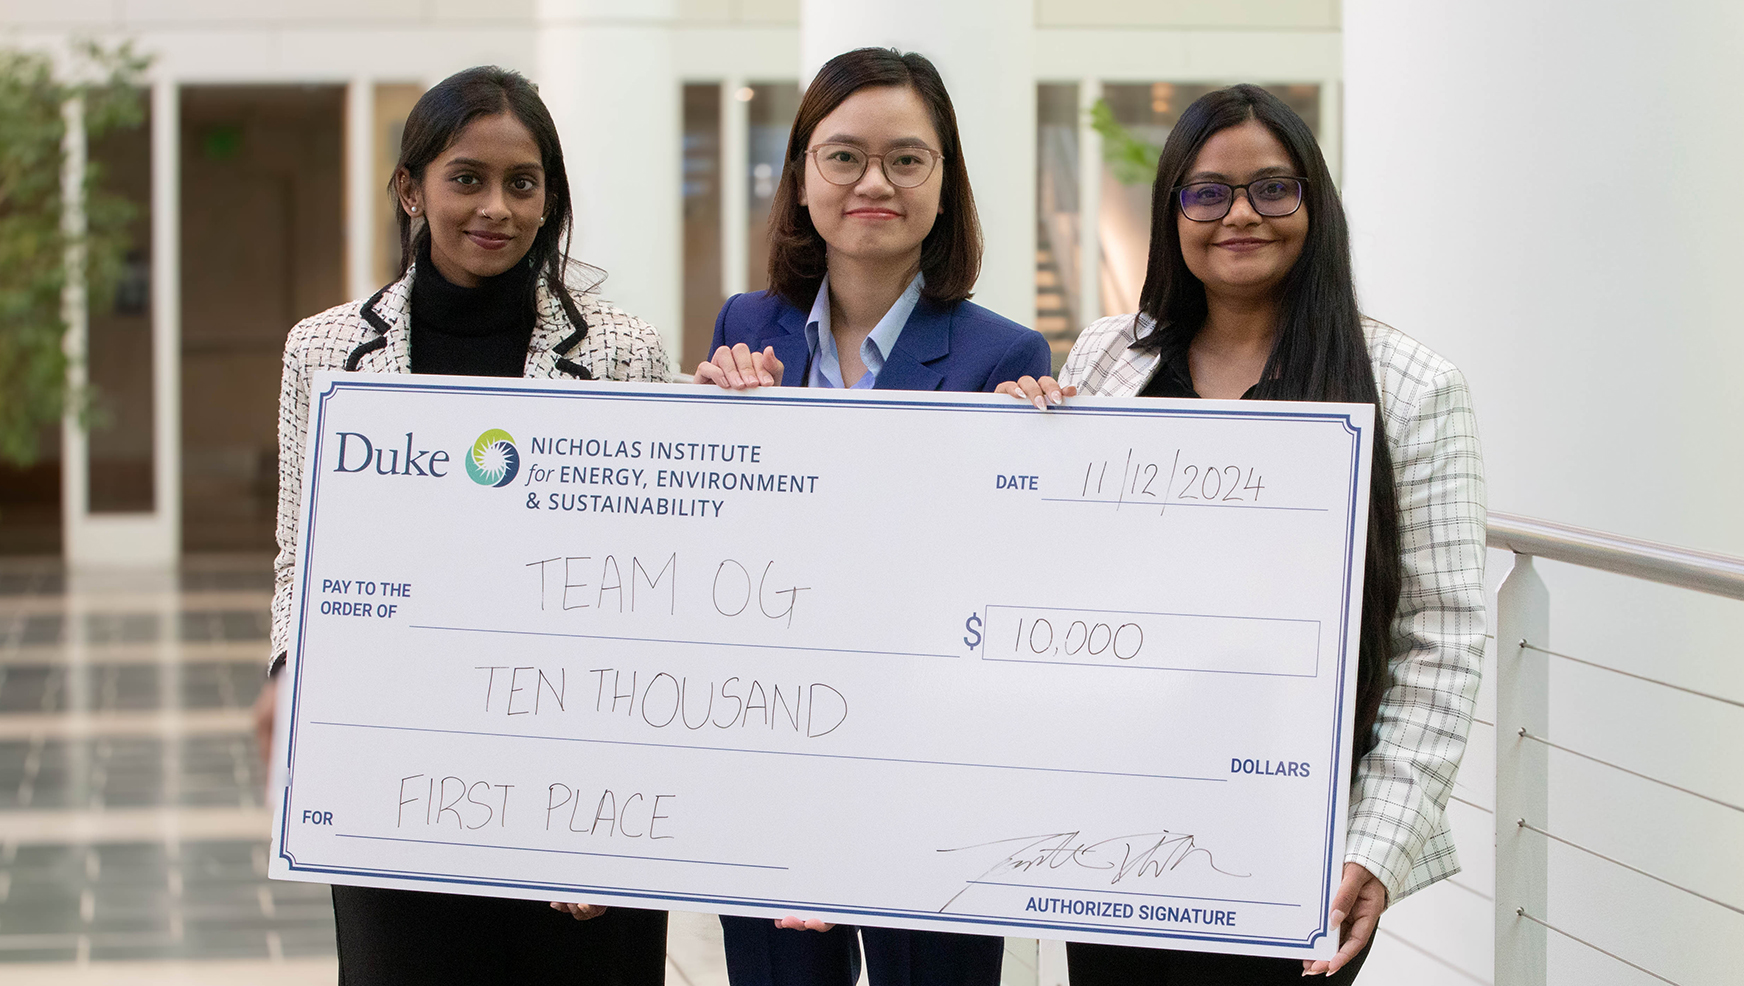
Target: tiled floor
x,y
132,829
131,816
155,900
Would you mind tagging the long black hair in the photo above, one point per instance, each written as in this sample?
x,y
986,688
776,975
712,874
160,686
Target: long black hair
x,y
1318,352
436,122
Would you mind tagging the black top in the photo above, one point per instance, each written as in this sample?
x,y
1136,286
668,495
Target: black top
x,y
1174,377
482,331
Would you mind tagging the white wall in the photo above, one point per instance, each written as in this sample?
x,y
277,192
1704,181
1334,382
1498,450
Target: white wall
x,y
1528,184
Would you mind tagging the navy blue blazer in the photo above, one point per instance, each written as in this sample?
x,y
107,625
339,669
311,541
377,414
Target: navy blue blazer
x,y
960,347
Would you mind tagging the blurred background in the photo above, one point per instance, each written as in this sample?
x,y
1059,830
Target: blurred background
x,y
1536,189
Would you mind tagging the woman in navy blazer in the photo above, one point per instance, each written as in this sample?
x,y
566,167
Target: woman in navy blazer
x,y
873,247
943,346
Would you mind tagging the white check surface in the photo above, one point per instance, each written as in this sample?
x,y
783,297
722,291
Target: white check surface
x,y
904,660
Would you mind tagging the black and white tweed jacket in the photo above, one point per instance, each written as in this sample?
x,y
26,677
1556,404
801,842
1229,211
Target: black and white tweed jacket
x,y
375,336
1398,805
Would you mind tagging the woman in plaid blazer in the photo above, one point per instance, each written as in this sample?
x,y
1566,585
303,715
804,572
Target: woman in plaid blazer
x,y
484,207
1249,294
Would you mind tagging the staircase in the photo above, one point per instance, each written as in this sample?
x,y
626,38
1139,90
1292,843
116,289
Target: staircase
x,y
1055,319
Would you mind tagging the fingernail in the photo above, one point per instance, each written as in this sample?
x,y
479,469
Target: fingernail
x,y
1337,918
1041,405
1054,395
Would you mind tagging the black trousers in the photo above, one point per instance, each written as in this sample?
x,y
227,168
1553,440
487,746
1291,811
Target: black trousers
x,y
760,954
1120,965
899,957
392,937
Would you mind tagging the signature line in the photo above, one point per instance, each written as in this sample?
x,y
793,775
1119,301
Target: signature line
x,y
697,643
563,852
767,753
1125,893
1190,503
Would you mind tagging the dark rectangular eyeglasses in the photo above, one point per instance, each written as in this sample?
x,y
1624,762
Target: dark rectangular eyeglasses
x,y
1209,201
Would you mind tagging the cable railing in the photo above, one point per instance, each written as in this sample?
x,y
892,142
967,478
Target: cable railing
x,y
1524,657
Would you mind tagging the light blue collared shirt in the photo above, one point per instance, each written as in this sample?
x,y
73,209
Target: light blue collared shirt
x,y
826,362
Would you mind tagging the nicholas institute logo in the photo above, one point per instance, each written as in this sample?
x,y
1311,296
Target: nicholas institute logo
x,y
493,460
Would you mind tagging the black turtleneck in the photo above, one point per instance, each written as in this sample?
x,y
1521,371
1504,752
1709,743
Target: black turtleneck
x,y
482,331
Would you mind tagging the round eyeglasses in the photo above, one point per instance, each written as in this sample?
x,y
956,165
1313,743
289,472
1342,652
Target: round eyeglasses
x,y
904,167
1209,201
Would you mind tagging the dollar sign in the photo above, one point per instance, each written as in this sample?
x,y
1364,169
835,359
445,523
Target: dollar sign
x,y
973,625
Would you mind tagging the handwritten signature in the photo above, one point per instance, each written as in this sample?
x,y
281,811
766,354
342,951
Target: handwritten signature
x,y
1145,854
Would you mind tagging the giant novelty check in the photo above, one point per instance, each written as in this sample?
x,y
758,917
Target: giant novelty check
x,y
904,660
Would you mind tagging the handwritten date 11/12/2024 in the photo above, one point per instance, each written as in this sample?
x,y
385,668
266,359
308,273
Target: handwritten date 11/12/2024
x,y
1136,481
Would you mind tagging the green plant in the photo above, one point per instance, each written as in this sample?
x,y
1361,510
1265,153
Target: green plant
x,y
1132,158
33,246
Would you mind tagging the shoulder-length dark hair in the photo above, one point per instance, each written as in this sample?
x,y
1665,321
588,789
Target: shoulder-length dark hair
x,y
950,256
436,122
1318,353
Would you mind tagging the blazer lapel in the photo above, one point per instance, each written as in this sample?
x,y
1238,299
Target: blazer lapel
x,y
551,329
925,340
787,335
1124,370
393,310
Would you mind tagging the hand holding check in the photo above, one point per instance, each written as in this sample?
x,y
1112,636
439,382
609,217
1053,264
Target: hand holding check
x,y
739,368
1041,392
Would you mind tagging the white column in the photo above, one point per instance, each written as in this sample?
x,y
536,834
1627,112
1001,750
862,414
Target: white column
x,y
362,194
605,69
1089,205
135,539
75,449
166,314
984,50
735,210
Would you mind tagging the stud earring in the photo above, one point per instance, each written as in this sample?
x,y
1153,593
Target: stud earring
x,y
414,210
541,220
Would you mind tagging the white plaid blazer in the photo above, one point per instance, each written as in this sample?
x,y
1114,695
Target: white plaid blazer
x,y
375,336
1398,821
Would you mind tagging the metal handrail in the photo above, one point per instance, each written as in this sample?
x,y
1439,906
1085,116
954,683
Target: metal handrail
x,y
1523,720
1721,575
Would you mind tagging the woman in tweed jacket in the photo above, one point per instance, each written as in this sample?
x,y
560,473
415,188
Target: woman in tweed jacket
x,y
1249,294
485,205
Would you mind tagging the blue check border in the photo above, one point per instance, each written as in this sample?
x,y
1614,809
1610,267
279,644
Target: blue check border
x,y
340,384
